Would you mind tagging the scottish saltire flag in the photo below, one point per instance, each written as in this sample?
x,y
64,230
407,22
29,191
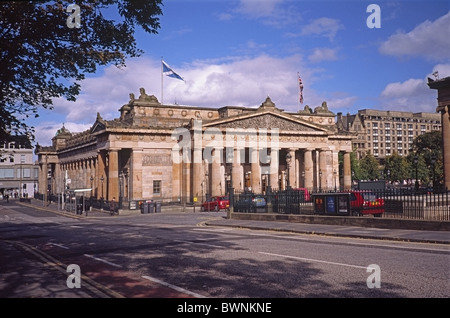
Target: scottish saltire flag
x,y
167,70
300,85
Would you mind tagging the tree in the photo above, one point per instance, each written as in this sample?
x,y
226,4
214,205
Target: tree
x,y
43,56
398,167
369,168
428,149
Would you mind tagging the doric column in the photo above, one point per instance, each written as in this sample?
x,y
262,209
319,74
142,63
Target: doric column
x,y
347,172
274,163
101,173
336,181
309,169
217,188
136,174
323,173
197,172
113,175
236,170
292,169
283,180
196,164
43,183
58,179
255,181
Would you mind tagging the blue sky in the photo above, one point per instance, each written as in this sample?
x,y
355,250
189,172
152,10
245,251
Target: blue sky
x,y
238,52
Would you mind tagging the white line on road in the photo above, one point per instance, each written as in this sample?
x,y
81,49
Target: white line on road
x,y
59,245
181,290
313,260
102,260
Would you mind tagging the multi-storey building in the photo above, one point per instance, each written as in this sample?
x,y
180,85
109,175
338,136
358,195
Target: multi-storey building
x,y
18,174
383,133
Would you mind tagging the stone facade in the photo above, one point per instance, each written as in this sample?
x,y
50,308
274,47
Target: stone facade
x,y
443,108
18,174
184,153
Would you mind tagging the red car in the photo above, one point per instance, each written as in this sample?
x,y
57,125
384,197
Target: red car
x,y
216,203
366,202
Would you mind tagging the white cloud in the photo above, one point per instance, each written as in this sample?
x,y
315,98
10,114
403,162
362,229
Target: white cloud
x,y
209,83
326,27
234,81
45,131
429,40
412,95
323,54
410,87
442,69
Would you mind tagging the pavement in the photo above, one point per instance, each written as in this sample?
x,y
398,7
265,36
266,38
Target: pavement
x,y
423,236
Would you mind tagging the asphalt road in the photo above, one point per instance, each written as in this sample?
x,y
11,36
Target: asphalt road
x,y
203,255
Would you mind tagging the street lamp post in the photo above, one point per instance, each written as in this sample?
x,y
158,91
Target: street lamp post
x,y
230,155
269,190
120,189
90,199
288,163
416,161
303,178
101,199
433,161
335,184
320,180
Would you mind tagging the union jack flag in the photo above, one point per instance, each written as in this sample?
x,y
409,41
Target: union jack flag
x,y
300,85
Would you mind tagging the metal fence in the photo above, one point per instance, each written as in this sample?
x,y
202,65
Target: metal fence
x,y
398,203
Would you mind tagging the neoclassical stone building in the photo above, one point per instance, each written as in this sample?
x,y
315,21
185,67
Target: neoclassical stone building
x,y
185,153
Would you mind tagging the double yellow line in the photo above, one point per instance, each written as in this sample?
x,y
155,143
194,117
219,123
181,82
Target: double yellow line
x,y
95,288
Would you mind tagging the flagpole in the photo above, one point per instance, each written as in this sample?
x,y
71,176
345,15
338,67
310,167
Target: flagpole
x,y
162,94
298,99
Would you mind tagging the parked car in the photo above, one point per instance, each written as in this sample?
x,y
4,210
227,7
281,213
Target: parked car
x,y
364,202
249,203
216,203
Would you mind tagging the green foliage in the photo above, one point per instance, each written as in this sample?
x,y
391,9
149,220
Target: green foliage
x,y
428,150
397,168
369,168
41,58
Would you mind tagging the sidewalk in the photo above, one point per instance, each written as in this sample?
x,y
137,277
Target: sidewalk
x,y
442,237
56,208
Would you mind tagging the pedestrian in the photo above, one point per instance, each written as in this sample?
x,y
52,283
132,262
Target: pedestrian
x,y
112,206
7,198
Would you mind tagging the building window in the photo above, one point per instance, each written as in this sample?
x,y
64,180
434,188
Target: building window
x,y
7,173
156,186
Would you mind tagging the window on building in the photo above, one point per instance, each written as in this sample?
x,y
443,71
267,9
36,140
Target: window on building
x,y
7,173
156,186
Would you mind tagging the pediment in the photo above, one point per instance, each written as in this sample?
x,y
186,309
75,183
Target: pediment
x,y
97,126
267,120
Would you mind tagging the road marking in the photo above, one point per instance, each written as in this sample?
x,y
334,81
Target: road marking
x,y
102,260
199,243
181,290
313,260
59,245
213,230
